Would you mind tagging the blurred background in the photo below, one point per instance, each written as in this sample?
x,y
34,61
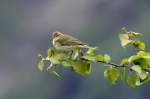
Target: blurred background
x,y
25,27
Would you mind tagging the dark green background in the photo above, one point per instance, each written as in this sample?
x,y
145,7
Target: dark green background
x,y
25,27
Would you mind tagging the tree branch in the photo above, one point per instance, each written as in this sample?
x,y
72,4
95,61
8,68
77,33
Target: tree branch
x,y
113,64
119,66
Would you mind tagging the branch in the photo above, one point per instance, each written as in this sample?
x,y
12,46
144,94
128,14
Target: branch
x,y
119,66
113,64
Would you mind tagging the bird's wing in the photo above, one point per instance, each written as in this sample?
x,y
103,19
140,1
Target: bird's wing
x,y
69,40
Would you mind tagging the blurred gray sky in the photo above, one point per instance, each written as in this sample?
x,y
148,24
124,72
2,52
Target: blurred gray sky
x,y
25,27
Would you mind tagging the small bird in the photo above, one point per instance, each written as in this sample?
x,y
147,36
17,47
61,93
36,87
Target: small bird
x,y
66,42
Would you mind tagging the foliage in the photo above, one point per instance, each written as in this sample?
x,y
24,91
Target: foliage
x,y
133,70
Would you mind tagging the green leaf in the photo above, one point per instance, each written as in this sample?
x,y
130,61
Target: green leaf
x,y
91,51
137,69
82,67
137,34
89,57
50,52
107,58
133,34
57,57
124,38
123,73
145,80
140,45
99,58
134,57
143,54
140,82
67,63
133,80
40,65
124,62
140,60
141,73
111,74
144,63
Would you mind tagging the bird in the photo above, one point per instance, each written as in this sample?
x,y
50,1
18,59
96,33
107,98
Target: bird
x,y
66,42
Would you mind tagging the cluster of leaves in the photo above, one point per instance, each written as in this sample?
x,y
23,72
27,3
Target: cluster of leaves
x,y
133,70
138,65
80,64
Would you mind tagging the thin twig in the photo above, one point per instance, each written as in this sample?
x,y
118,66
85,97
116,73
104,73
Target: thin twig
x,y
119,66
113,64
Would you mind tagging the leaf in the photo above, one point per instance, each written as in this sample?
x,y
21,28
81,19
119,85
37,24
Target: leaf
x,y
140,60
67,63
124,62
40,65
140,45
132,80
141,73
91,51
123,73
144,54
111,74
137,34
145,80
89,57
107,58
124,38
82,67
99,58
133,58
50,52
144,63
137,69
57,57
140,82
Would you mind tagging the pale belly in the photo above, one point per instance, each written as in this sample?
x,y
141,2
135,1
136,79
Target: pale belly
x,y
60,47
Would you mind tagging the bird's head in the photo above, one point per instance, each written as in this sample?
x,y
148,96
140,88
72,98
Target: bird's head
x,y
56,34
